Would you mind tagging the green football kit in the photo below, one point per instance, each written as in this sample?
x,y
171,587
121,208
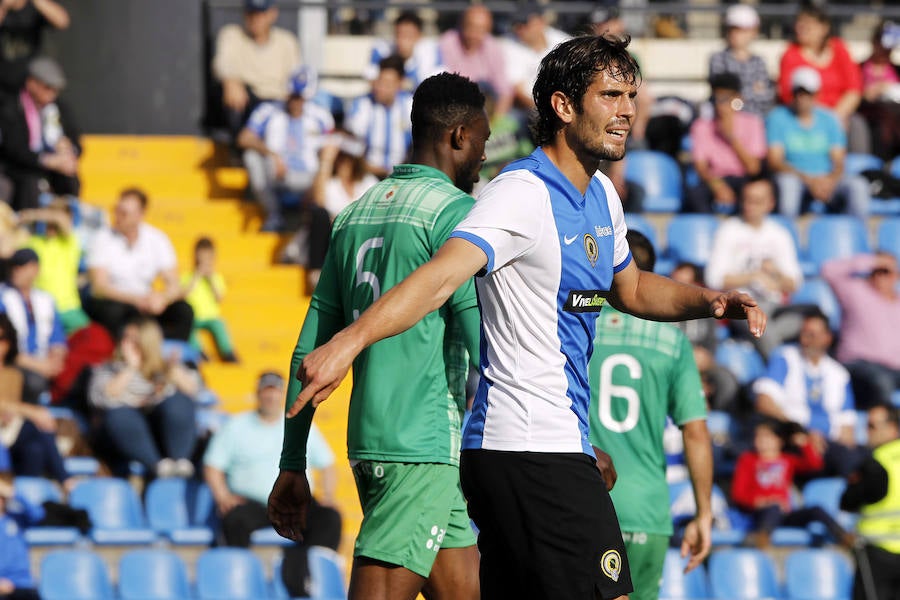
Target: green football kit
x,y
640,373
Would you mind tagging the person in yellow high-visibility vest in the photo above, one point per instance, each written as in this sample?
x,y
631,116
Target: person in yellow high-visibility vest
x,y
874,491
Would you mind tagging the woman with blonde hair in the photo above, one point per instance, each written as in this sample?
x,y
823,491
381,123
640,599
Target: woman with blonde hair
x,y
145,403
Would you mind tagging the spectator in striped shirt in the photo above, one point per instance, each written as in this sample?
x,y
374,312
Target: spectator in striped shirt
x,y
421,56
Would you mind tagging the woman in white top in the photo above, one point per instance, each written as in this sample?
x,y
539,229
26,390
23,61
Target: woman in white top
x,y
342,176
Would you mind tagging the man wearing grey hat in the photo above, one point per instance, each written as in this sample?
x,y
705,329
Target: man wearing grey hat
x,y
39,140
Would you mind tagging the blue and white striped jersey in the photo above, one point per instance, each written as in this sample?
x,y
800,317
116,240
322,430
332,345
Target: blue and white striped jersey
x,y
552,253
297,141
387,130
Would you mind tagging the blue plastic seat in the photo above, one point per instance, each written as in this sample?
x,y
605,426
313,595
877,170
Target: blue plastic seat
x,y
855,163
267,536
833,236
889,236
152,574
817,574
817,291
742,574
742,359
34,491
74,575
326,573
185,351
115,510
182,510
278,589
230,574
659,176
690,238
678,585
639,223
791,536
826,492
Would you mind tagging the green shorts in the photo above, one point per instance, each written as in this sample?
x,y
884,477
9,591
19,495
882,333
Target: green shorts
x,y
410,511
646,556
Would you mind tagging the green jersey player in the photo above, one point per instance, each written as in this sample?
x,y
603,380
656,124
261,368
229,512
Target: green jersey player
x,y
409,390
640,373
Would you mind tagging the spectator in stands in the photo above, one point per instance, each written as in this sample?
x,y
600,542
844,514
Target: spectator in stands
x,y
254,62
727,148
872,492
840,87
241,464
42,341
281,146
59,254
15,569
472,51
866,288
28,429
144,404
421,56
123,264
762,484
881,92
509,140
532,39
39,141
381,117
22,24
741,29
756,253
342,176
807,147
204,289
804,385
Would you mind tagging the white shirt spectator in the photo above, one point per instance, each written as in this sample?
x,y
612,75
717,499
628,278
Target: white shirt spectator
x,y
337,198
132,269
522,62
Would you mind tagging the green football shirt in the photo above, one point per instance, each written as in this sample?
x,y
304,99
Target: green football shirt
x,y
640,373
408,390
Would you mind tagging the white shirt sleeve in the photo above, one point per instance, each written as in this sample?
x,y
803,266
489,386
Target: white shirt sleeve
x,y
621,250
277,132
507,218
721,257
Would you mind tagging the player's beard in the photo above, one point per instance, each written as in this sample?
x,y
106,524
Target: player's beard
x,y
593,140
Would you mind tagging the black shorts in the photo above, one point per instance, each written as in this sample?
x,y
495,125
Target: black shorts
x,y
547,526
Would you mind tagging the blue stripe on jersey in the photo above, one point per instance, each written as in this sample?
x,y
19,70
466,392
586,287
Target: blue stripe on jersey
x,y
623,264
485,247
478,414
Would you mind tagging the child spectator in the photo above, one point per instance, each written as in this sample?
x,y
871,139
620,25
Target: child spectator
x,y
145,404
15,570
762,484
203,290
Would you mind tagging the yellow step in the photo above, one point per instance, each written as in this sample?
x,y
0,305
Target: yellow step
x,y
127,151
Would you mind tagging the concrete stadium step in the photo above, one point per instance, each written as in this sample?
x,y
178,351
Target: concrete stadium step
x,y
281,282
237,253
186,217
103,187
142,152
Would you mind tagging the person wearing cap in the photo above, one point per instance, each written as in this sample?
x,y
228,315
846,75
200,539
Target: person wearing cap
x,y
727,149
741,29
533,39
281,143
241,464
840,79
39,141
22,24
807,148
422,56
42,340
254,62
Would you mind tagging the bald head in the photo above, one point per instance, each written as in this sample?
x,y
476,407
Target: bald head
x,y
475,26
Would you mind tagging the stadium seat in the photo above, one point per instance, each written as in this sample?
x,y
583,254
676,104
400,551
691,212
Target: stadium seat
x,y
742,359
690,238
678,585
659,176
833,236
727,527
81,465
791,536
826,492
895,167
855,163
278,589
182,510
817,291
115,511
742,574
185,351
34,491
817,574
230,574
326,573
152,574
889,236
267,536
791,225
74,575
639,223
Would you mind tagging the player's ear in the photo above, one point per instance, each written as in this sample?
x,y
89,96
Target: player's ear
x,y
458,137
562,106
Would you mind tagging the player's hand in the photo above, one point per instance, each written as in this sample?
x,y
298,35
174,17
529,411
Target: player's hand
x,y
697,542
605,466
288,504
738,305
322,370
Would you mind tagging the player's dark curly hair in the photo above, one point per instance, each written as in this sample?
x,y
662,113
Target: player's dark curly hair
x,y
570,68
442,102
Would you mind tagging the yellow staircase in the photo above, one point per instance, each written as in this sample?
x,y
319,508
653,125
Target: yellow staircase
x,y
193,193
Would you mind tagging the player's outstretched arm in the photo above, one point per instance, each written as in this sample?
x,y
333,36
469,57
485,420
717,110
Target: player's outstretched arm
x,y
651,296
697,540
425,290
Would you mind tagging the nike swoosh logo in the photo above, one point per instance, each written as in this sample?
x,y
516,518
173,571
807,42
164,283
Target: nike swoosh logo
x,y
568,240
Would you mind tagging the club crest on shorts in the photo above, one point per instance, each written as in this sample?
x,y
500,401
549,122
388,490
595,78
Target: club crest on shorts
x,y
611,564
591,249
